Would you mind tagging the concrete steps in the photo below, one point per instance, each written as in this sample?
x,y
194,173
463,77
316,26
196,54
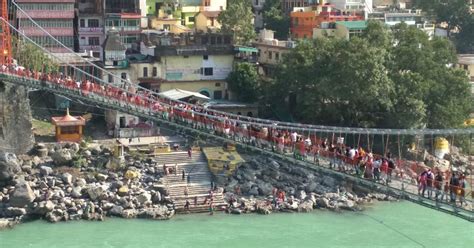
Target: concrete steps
x,y
198,186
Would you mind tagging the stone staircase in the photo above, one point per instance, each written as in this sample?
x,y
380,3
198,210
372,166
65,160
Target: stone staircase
x,y
199,185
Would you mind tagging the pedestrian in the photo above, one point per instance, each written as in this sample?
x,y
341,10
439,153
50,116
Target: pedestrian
x,y
190,152
391,168
212,185
186,191
422,183
165,170
189,178
429,182
175,169
384,170
183,175
438,184
445,192
462,189
211,209
186,205
453,186
195,201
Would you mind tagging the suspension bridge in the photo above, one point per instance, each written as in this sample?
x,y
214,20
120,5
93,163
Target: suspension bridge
x,y
292,142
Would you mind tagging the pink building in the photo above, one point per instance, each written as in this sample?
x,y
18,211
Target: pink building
x,y
55,16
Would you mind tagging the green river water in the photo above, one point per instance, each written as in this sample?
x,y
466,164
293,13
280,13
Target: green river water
x,y
401,225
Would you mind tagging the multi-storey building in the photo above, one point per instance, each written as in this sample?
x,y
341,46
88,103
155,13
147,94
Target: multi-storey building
x,y
288,5
304,20
55,16
91,26
125,16
198,63
270,52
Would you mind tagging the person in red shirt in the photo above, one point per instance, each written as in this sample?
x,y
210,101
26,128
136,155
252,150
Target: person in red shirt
x,y
384,170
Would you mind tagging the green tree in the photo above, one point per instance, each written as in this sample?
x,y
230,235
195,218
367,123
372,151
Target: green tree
x,y
398,79
244,82
237,20
457,14
274,19
32,57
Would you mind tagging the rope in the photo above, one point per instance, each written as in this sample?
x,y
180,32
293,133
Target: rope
x,y
393,229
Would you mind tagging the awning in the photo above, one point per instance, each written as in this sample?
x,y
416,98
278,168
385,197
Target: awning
x,y
178,94
246,49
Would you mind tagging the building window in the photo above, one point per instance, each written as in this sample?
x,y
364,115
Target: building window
x,y
218,94
205,57
123,75
94,41
277,56
208,71
154,72
82,23
111,78
145,71
270,55
96,54
191,19
93,23
218,84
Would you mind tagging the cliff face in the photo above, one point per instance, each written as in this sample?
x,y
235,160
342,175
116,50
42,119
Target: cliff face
x,y
16,134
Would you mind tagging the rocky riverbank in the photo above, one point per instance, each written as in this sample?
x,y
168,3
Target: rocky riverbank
x,y
70,182
258,182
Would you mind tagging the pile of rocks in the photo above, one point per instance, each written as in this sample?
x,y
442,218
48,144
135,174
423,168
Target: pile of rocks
x,y
305,189
44,185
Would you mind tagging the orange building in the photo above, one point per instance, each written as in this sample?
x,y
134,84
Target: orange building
x,y
69,128
304,20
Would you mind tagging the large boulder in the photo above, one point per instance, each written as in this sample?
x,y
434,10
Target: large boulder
x,y
62,156
264,189
9,166
306,206
13,212
44,207
67,178
46,170
95,192
22,195
144,197
156,213
116,211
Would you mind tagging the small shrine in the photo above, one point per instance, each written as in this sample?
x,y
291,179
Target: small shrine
x,y
69,128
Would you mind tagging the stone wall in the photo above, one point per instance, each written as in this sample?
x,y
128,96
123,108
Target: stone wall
x,y
16,134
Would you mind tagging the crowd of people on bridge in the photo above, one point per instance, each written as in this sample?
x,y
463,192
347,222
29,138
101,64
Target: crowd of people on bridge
x,y
280,139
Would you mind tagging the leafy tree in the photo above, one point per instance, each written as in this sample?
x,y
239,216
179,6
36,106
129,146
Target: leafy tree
x,y
237,20
456,13
398,79
274,19
32,57
244,82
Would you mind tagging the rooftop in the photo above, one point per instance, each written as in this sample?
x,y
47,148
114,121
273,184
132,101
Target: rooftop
x,y
178,94
112,42
466,59
353,25
210,14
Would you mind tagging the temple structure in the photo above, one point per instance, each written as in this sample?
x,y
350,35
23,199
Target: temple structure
x,y
69,128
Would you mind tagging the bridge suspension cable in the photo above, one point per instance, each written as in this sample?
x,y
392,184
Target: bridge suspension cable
x,y
239,118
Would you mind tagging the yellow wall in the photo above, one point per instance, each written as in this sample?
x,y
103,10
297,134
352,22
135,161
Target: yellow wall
x,y
158,23
202,23
190,67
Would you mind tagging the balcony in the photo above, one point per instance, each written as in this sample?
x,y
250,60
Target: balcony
x,y
33,31
52,14
94,30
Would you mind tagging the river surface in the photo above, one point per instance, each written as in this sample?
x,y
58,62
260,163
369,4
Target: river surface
x,y
401,225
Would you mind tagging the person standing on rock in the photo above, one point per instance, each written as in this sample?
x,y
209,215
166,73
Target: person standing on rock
x,y
190,152
183,175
